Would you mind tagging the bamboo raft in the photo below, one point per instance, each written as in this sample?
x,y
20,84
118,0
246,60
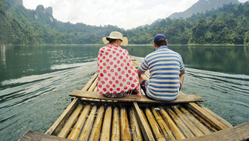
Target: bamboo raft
x,y
93,117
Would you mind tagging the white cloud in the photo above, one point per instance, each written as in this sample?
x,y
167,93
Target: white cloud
x,y
123,13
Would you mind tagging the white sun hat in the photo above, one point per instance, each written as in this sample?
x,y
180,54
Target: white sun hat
x,y
116,35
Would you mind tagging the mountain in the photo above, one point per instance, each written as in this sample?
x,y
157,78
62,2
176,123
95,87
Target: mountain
x,y
201,7
19,25
228,24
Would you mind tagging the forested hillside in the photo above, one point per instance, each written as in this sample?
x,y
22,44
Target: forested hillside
x,y
226,25
201,7
22,26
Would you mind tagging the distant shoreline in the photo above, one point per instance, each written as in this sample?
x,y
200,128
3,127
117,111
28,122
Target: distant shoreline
x,y
128,45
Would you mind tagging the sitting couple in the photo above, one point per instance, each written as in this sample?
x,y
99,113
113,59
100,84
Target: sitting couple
x,y
117,75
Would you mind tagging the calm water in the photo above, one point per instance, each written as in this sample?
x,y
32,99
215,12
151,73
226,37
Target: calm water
x,y
35,82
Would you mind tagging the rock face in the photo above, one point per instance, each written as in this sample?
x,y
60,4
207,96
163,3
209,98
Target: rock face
x,y
50,10
41,9
44,15
202,6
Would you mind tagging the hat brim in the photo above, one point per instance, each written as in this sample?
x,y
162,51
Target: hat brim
x,y
124,40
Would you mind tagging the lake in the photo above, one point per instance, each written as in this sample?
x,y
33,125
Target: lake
x,y
35,81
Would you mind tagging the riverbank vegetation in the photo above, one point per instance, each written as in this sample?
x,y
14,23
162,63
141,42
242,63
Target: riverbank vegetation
x,y
226,25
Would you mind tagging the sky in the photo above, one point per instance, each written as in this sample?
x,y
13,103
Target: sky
x,y
125,14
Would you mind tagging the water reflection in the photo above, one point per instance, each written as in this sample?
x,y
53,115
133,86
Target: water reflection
x,y
231,59
3,56
20,61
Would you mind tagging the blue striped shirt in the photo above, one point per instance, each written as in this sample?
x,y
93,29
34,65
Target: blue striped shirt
x,y
164,66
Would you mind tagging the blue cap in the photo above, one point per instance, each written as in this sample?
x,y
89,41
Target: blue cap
x,y
159,37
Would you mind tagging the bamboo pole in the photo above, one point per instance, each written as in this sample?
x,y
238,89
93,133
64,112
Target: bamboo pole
x,y
106,128
218,117
180,124
94,84
88,84
145,128
97,124
201,112
155,127
203,121
167,132
115,125
80,122
64,131
187,122
125,131
176,131
203,128
136,133
88,125
95,89
146,120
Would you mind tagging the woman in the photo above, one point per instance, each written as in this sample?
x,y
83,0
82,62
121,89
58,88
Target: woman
x,y
117,76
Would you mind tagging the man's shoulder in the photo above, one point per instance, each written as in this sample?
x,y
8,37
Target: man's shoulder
x,y
175,52
151,54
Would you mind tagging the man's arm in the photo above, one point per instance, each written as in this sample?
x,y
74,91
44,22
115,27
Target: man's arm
x,y
181,73
141,76
181,76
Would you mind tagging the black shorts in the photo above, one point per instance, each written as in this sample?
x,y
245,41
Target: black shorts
x,y
143,86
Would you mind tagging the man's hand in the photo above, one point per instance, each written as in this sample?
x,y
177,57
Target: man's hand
x,y
139,73
181,73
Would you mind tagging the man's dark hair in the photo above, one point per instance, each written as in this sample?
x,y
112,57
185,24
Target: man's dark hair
x,y
161,42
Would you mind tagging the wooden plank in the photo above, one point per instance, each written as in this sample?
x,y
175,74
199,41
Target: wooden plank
x,y
196,131
88,125
125,130
165,128
154,126
203,121
56,127
135,98
147,134
115,125
97,125
36,136
146,121
125,135
213,121
176,131
79,124
94,84
95,89
180,124
237,133
136,133
218,117
106,128
71,120
197,123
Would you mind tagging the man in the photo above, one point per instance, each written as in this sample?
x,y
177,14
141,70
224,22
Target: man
x,y
166,71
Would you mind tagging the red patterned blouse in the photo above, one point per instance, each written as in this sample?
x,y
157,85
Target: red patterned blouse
x,y
116,72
